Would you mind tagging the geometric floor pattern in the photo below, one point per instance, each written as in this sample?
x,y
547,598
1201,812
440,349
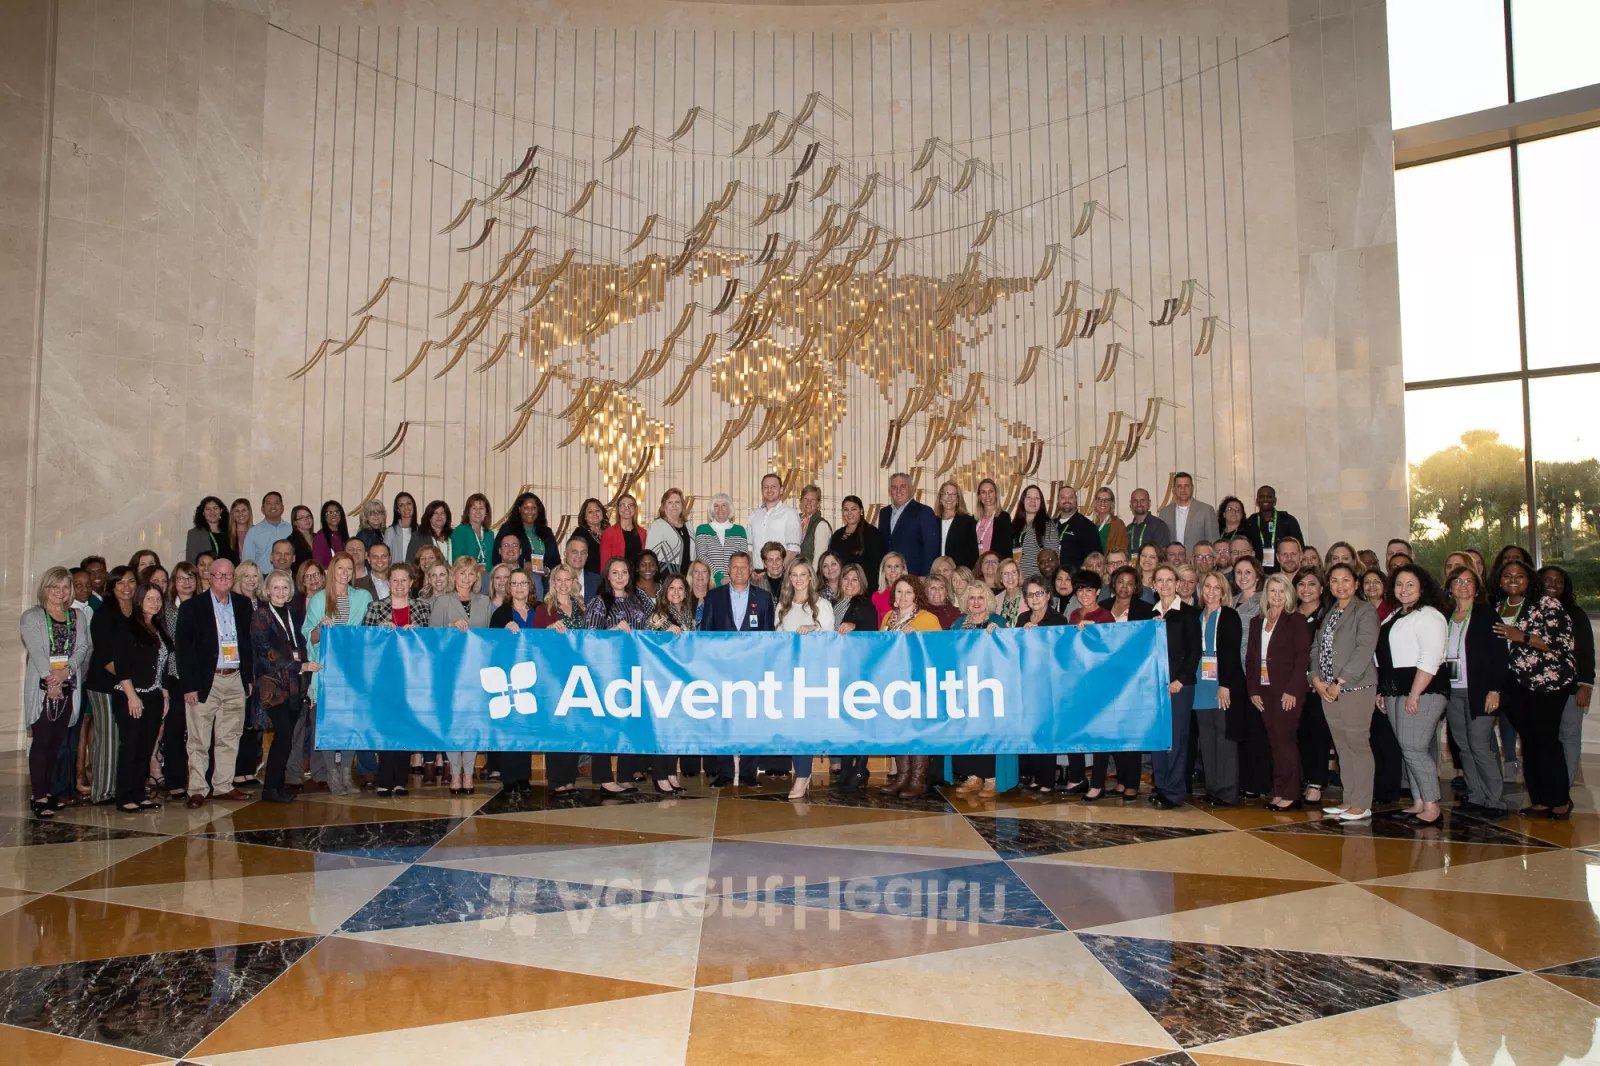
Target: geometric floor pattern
x,y
741,927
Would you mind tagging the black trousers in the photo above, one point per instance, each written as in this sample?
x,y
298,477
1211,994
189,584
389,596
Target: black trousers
x,y
689,764
136,741
516,767
283,718
1315,743
1386,759
1255,756
1041,769
965,766
43,751
175,741
1127,763
249,758
394,769
1536,716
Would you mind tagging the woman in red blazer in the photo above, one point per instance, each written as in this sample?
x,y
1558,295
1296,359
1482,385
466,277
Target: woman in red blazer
x,y
1277,682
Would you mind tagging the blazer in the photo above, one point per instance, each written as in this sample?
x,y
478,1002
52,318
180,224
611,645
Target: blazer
x,y
1488,661
102,628
360,600
1583,645
1288,656
915,536
1116,535
279,674
1183,642
36,641
325,545
1355,642
864,548
1230,668
1139,610
446,610
399,540
961,543
446,548
1202,525
614,542
1002,539
204,541
718,615
381,612
197,645
859,612
137,659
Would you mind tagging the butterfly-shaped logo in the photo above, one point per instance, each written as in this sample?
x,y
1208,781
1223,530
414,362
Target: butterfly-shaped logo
x,y
513,691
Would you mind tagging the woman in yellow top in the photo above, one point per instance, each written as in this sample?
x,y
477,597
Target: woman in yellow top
x,y
908,613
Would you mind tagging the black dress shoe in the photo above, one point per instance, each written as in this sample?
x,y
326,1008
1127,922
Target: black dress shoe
x,y
721,781
749,782
1246,794
1535,812
1213,801
1491,814
1158,800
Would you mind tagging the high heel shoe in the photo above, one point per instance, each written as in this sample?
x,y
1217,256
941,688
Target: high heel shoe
x,y
801,786
664,789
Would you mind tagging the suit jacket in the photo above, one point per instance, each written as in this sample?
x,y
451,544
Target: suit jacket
x,y
1488,659
865,549
1230,669
915,536
1151,531
1183,642
198,647
718,615
961,543
1288,658
1202,523
1354,643
1116,535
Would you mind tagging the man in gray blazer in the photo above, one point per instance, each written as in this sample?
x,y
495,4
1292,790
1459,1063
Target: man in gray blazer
x,y
1190,520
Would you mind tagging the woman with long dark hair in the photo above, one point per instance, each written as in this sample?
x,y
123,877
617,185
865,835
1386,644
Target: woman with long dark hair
x,y
1033,530
592,525
1476,660
617,606
101,681
330,539
1344,676
140,650
302,533
1558,583
531,524
1230,517
403,526
209,533
1542,670
1316,742
56,639
1037,612
433,531
673,613
858,541
1411,650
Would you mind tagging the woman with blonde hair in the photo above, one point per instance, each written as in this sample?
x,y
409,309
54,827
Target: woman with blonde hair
x,y
498,578
1008,603
958,530
890,570
56,640
717,540
339,604
247,581
801,610
464,609
941,599
1275,672
909,613
669,536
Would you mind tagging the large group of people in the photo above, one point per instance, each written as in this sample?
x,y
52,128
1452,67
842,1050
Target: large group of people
x,y
1288,665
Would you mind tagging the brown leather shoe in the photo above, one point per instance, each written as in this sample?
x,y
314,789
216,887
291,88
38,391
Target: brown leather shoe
x,y
897,776
195,802
235,795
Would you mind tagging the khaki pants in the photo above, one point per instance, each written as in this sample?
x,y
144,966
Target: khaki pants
x,y
222,715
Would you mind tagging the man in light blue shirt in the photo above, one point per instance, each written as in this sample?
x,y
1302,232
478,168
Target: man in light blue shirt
x,y
271,529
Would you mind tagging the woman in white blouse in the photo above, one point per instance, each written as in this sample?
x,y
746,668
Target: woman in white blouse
x,y
669,535
800,610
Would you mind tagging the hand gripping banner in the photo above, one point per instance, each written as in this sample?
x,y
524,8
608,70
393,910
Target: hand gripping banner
x,y
1009,692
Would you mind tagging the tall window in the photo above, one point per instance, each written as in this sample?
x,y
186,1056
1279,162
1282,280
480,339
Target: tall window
x,y
1498,250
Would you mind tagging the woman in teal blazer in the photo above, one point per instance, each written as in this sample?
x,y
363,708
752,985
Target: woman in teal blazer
x,y
341,568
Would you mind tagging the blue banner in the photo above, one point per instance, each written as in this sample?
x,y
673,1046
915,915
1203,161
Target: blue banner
x,y
1012,691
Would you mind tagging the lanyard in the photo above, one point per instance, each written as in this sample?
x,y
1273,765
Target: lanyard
x,y
1209,644
294,646
1136,542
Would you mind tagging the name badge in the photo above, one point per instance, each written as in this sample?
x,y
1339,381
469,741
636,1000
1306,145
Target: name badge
x,y
753,620
1269,557
230,653
1208,668
1265,680
58,662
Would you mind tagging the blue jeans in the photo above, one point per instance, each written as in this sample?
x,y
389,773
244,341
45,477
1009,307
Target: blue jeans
x,y
802,766
1171,767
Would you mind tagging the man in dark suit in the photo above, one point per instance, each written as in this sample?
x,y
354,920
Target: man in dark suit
x,y
909,527
737,607
214,662
577,557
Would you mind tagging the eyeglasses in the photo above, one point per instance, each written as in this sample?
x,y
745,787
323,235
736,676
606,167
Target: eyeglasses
x,y
1035,594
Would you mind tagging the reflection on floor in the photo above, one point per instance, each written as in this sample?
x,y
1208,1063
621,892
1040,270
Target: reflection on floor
x,y
740,927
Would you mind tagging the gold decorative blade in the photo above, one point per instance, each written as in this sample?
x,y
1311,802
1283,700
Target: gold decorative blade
x,y
383,290
499,353
624,144
488,228
686,125
828,179
461,216
1029,365
583,199
928,148
808,157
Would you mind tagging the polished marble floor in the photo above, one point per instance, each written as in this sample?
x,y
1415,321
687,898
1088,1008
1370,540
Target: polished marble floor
x,y
740,927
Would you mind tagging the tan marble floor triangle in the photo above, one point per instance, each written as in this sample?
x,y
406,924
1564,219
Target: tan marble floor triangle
x,y
1049,985
345,987
1554,932
25,1047
46,867
1586,988
53,929
1363,858
1520,1019
793,939
1539,875
1334,920
1241,854
729,1029
669,866
934,834
643,1029
1108,813
209,859
482,838
743,817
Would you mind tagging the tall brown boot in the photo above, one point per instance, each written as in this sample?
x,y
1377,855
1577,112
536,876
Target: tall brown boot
x,y
897,776
916,780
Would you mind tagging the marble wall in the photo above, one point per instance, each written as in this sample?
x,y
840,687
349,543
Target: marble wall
x,y
179,208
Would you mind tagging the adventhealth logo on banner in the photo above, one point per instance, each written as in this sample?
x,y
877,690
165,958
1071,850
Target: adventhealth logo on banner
x,y
953,695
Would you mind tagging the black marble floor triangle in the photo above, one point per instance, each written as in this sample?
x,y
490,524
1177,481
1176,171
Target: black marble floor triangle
x,y
872,799
541,798
1020,838
401,841
1202,993
163,1003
